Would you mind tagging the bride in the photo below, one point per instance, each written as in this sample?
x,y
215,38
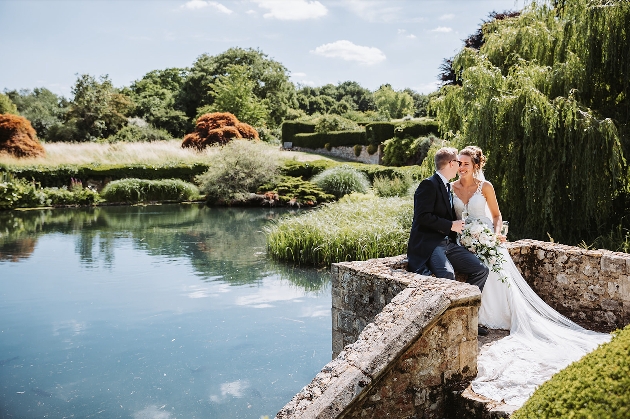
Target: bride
x,y
541,340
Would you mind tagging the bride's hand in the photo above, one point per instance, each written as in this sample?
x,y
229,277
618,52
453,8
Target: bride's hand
x,y
502,238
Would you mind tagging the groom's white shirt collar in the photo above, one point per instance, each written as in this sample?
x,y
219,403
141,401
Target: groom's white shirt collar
x,y
444,180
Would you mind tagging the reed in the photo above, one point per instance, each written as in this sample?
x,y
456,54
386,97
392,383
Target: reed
x,y
357,227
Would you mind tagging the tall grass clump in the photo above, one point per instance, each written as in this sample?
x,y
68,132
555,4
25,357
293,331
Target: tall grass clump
x,y
142,190
238,170
342,180
396,186
357,227
596,386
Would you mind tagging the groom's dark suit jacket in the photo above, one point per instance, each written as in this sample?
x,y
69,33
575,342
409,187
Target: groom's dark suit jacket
x,y
432,221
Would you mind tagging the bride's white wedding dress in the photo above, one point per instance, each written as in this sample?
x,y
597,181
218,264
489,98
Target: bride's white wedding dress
x,y
541,340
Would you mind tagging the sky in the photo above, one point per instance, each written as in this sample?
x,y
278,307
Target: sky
x,y
49,42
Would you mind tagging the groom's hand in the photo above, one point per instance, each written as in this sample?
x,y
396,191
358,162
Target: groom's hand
x,y
457,226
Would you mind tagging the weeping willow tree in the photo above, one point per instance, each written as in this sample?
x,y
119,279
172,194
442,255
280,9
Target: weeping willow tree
x,y
546,97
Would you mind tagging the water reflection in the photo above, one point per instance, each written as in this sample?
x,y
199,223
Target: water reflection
x,y
221,243
153,312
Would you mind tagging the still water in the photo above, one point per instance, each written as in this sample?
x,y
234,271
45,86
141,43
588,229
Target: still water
x,y
156,312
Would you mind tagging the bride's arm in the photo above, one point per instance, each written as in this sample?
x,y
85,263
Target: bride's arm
x,y
493,205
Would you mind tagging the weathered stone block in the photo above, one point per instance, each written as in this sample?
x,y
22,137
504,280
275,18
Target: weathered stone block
x,y
612,263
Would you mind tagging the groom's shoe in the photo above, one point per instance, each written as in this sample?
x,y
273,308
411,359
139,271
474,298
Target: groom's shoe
x,y
482,331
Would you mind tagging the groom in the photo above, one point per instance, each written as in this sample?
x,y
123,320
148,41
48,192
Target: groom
x,y
432,248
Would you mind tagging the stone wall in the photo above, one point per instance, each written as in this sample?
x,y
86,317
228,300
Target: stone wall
x,y
407,359
591,287
347,153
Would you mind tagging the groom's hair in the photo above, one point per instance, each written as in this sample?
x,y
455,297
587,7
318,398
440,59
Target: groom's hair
x,y
444,156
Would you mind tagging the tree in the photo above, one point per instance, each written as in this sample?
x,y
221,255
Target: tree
x,y
234,93
546,98
6,105
97,109
154,97
40,106
270,78
420,102
393,104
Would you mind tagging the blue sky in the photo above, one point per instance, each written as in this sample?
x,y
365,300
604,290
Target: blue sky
x,y
48,42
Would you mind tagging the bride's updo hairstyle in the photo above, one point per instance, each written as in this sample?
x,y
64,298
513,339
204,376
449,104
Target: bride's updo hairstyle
x,y
476,155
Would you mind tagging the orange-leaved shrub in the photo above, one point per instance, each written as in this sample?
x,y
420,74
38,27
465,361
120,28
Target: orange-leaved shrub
x,y
17,137
218,128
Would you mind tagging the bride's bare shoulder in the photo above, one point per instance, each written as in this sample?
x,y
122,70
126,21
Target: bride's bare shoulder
x,y
487,188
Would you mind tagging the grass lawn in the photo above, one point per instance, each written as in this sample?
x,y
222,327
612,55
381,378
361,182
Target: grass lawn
x,y
159,152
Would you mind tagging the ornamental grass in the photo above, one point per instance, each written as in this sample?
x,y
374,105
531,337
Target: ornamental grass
x,y
357,227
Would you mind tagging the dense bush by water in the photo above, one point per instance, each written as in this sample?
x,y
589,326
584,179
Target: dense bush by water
x,y
143,190
342,180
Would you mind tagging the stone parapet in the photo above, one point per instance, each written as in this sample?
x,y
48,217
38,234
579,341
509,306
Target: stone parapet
x,y
347,153
409,356
590,287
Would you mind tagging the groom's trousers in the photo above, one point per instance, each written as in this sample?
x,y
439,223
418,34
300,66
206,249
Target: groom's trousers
x,y
449,257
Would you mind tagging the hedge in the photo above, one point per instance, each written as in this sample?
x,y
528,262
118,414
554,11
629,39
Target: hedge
x,y
335,138
60,176
290,128
143,190
306,170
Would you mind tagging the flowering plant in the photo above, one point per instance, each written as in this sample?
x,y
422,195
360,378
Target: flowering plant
x,y
481,241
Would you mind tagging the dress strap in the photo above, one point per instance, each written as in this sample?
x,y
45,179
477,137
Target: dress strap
x,y
479,187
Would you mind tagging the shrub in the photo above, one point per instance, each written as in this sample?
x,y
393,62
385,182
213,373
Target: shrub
x,y
144,190
596,386
336,139
17,137
305,169
269,135
328,146
218,128
342,180
406,151
135,133
343,230
388,187
358,148
330,123
296,191
239,169
19,193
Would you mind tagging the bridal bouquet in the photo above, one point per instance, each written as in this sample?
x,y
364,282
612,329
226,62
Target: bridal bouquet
x,y
480,240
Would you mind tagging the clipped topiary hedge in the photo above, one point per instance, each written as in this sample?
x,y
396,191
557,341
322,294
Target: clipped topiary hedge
x,y
61,176
291,128
306,170
378,132
596,386
417,129
334,138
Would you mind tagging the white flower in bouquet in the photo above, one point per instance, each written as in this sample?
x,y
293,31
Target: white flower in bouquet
x,y
481,241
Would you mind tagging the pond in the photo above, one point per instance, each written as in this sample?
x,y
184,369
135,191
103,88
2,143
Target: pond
x,y
161,312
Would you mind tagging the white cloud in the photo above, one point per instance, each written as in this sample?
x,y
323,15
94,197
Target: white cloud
x,y
251,12
292,10
348,51
404,33
442,29
374,11
448,16
298,74
201,4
